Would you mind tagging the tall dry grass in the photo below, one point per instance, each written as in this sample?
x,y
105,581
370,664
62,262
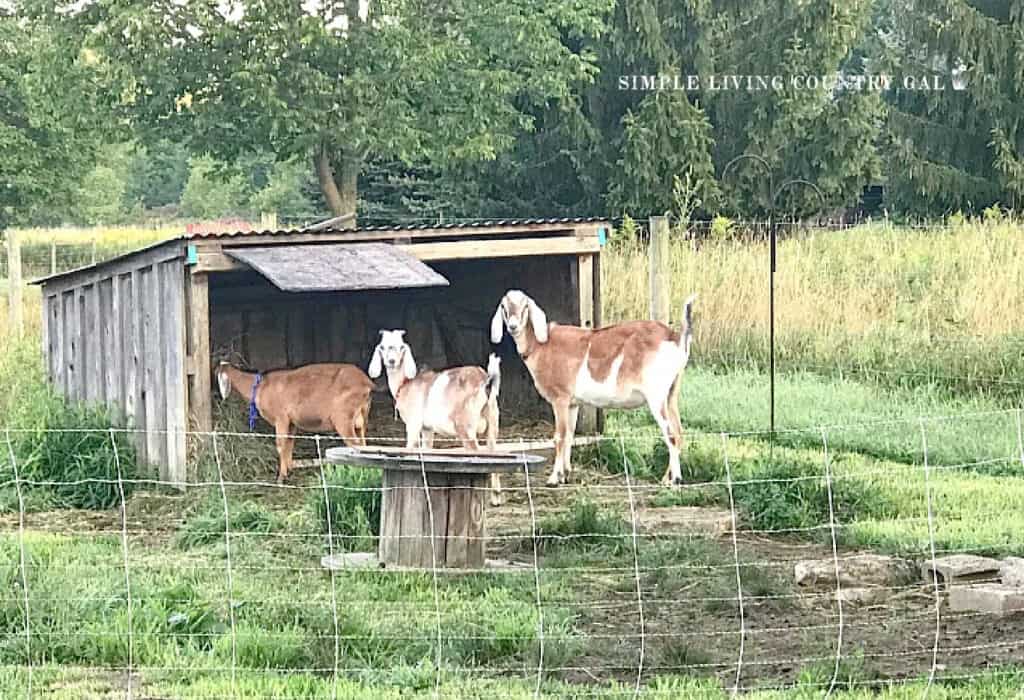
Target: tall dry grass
x,y
942,305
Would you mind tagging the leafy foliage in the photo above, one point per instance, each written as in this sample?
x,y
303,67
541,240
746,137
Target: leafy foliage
x,y
50,106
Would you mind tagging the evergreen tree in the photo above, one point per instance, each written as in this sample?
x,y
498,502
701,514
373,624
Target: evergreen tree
x,y
817,134
955,149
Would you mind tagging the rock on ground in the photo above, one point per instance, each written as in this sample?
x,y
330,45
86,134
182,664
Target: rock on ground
x,y
1011,573
992,598
855,571
960,568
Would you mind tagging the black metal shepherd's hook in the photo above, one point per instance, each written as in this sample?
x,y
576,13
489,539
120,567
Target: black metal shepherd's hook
x,y
773,195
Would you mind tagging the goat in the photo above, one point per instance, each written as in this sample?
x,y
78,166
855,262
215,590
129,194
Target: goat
x,y
459,402
620,366
318,397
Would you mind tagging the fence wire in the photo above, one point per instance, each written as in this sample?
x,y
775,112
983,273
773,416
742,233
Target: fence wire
x,y
752,575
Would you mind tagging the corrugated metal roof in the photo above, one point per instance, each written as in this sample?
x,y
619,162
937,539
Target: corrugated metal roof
x,y
339,267
454,227
482,223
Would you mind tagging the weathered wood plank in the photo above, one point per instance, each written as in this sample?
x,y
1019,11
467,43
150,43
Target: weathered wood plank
x,y
266,339
474,527
93,341
200,397
69,303
152,349
131,307
217,261
584,265
459,500
299,338
391,509
437,518
416,545
325,268
172,324
54,343
109,339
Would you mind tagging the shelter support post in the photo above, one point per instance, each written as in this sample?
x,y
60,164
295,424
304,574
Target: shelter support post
x,y
199,371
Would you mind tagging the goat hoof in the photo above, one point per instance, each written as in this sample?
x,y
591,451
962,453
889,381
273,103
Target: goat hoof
x,y
553,481
496,500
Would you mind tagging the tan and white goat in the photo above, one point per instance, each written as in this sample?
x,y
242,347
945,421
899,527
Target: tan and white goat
x,y
622,366
316,398
460,402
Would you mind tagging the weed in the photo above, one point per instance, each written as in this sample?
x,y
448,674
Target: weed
x,y
584,525
350,510
206,524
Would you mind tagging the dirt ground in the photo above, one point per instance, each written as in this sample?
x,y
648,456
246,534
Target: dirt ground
x,y
693,628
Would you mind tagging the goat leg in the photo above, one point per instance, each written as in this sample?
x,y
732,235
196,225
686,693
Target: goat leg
x,y
492,445
285,445
561,410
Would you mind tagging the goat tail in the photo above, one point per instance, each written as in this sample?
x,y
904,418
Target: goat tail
x,y
686,335
493,383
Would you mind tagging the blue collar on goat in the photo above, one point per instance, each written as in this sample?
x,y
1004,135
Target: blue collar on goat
x,y
253,413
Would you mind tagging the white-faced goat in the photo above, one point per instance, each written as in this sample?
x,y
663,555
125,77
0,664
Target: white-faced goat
x,y
460,402
317,398
622,366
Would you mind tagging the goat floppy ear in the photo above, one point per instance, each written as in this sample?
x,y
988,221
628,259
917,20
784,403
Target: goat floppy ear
x,y
223,383
408,365
540,322
497,326
375,364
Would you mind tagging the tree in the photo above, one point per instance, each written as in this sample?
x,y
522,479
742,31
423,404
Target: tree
x,y
157,174
50,99
212,190
411,80
952,149
816,133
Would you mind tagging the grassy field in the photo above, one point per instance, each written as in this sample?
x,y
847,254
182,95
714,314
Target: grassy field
x,y
898,348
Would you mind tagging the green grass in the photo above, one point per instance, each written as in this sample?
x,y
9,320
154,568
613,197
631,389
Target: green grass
x,y
857,417
419,682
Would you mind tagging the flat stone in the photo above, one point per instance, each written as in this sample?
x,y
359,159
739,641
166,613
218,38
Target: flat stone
x,y
960,569
1011,573
854,571
862,595
992,598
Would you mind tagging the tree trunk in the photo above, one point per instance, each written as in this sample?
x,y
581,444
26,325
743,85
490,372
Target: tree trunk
x,y
340,191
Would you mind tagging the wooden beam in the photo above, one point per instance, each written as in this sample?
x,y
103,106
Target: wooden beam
x,y
211,260
588,415
200,400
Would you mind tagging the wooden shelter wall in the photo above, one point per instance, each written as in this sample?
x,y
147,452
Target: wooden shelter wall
x,y
117,341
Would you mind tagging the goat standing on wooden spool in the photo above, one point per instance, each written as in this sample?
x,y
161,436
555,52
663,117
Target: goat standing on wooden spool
x,y
459,402
316,398
620,366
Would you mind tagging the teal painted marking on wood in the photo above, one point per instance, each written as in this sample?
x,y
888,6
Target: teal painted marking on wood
x,y
602,235
193,255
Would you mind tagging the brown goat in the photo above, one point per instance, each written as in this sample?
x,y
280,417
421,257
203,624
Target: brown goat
x,y
315,398
627,365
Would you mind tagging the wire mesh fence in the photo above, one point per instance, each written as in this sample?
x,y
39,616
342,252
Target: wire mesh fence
x,y
773,566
